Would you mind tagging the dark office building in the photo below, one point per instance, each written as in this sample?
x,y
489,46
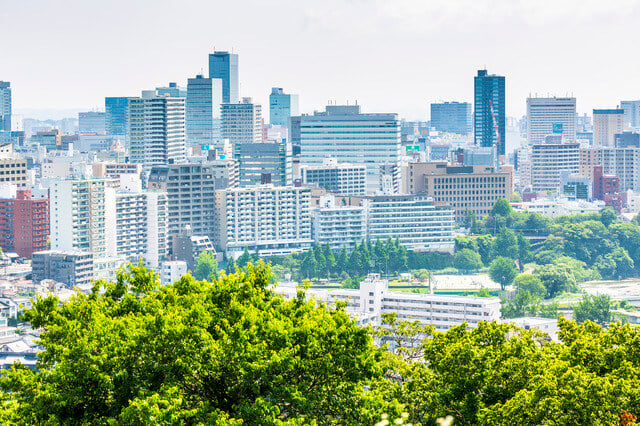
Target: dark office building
x,y
489,110
452,117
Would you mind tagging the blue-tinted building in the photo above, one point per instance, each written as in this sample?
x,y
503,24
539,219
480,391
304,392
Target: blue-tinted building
x,y
116,111
224,65
5,105
489,111
282,106
203,115
452,117
172,91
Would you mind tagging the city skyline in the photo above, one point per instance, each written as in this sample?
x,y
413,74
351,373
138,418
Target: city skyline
x,y
119,54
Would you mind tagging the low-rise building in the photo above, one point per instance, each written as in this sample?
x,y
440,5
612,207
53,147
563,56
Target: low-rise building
x,y
72,268
172,270
343,178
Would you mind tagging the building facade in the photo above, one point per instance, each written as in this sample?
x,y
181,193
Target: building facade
x,y
224,65
92,121
549,160
489,111
621,162
73,268
242,122
282,106
116,111
5,106
452,117
24,224
607,123
13,167
551,116
631,116
260,163
343,178
203,115
341,227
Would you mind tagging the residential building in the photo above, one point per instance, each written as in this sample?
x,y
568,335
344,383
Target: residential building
x,y
467,189
550,159
282,106
414,220
203,115
269,162
156,130
5,106
242,122
631,115
268,220
187,247
621,162
115,170
374,299
607,188
489,111
551,116
13,167
116,115
72,268
224,65
92,121
607,123
452,117
24,223
172,270
343,178
341,227
344,133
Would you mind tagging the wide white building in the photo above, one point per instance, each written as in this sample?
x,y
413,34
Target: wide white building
x,y
549,160
548,116
339,226
344,178
373,299
268,220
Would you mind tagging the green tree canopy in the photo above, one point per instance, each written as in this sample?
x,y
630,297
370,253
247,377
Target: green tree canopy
x,y
467,260
503,271
530,283
207,267
593,308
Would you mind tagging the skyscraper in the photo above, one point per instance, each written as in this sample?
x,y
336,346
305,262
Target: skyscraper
x,y
281,107
5,105
203,123
548,116
489,110
224,65
607,123
116,111
451,117
631,113
156,129
242,122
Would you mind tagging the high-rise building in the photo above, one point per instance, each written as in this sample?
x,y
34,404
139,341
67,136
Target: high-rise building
x,y
77,212
224,65
489,111
452,117
92,121
282,106
5,105
242,122
349,136
268,220
623,162
24,223
607,123
551,116
156,129
172,91
631,113
203,115
116,112
550,159
269,162
342,227
467,189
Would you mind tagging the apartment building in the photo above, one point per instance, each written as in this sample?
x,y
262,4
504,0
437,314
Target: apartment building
x,y
549,160
73,268
24,223
621,162
343,178
13,167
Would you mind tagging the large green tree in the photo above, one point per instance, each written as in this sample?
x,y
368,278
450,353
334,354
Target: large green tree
x,y
207,267
503,271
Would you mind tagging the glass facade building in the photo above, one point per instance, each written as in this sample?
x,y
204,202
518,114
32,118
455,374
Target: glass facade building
x,y
5,105
224,65
282,106
452,117
489,111
116,112
203,116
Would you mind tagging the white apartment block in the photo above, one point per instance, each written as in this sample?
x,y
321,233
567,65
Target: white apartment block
x,y
548,116
621,162
77,215
415,220
156,130
347,135
268,220
344,178
373,299
549,160
339,226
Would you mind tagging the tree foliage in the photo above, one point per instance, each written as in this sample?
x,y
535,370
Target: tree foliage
x,y
503,271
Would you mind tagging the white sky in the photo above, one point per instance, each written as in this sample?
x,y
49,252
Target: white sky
x,y
390,55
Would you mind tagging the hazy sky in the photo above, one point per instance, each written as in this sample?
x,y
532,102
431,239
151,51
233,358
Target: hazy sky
x,y
389,55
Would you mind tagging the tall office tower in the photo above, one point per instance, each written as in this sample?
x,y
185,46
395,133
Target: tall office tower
x,y
551,116
282,106
268,220
489,112
631,113
549,159
92,121
156,130
204,123
191,193
269,162
242,122
607,123
349,136
172,91
77,214
116,111
5,105
452,117
224,65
